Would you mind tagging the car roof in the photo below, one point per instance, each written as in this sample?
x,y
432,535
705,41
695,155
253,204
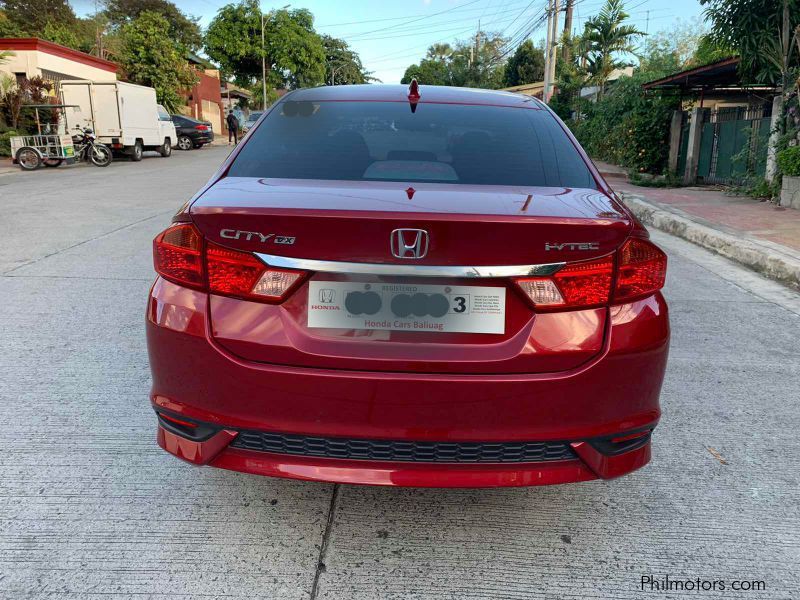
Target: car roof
x,y
428,93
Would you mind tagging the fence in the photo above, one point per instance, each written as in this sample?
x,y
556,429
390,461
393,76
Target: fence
x,y
733,144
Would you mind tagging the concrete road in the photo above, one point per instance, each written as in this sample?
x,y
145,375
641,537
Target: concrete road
x,y
90,507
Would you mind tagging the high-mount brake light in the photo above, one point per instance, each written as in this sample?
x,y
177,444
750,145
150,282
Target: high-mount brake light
x,y
180,257
582,284
641,270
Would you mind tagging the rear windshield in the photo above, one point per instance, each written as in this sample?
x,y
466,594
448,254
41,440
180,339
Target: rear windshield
x,y
385,141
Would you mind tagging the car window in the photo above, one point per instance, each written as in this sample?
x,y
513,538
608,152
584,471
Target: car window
x,y
178,120
447,143
163,115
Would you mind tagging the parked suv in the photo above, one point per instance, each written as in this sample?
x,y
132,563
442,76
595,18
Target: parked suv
x,y
192,133
422,286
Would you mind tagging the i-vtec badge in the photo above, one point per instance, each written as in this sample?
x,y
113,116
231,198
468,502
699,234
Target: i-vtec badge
x,y
236,234
572,246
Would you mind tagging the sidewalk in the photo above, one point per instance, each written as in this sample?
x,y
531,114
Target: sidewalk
x,y
6,166
756,234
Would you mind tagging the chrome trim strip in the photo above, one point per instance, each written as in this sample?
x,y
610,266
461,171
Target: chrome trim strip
x,y
331,266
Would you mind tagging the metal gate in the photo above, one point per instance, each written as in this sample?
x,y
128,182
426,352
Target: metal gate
x,y
733,144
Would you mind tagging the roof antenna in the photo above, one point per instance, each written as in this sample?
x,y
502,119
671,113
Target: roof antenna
x,y
413,95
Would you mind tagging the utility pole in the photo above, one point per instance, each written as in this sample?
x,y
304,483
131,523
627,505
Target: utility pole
x,y
565,51
552,52
263,66
547,55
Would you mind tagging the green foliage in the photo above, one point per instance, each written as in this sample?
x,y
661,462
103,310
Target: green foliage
x,y
789,161
667,180
150,57
627,127
462,65
526,65
184,29
29,17
60,33
342,65
8,28
295,55
710,50
605,37
5,140
751,28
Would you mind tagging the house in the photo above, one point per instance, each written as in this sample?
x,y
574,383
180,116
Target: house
x,y
204,100
32,57
714,86
237,99
535,89
726,130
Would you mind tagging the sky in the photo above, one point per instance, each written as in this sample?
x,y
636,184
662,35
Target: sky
x,y
391,35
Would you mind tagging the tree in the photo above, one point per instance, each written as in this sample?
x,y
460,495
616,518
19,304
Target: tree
x,y
472,63
526,65
31,16
751,29
709,50
184,29
7,27
342,65
294,53
149,57
606,36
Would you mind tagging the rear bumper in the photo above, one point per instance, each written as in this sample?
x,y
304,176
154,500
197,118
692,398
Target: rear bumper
x,y
614,394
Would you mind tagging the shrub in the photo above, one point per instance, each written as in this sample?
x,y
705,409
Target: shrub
x,y
627,127
5,141
789,161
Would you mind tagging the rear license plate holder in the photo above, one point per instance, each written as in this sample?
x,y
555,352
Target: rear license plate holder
x,y
406,307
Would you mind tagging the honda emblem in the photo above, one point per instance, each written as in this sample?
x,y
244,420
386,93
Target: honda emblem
x,y
409,243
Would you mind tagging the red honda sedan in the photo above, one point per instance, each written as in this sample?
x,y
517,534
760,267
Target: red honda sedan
x,y
419,286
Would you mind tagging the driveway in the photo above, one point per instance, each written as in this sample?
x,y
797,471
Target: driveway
x,y
90,507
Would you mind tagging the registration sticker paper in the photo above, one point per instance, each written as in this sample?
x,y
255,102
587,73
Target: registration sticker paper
x,y
406,307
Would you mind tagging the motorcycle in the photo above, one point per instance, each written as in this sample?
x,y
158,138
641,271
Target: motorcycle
x,y
88,148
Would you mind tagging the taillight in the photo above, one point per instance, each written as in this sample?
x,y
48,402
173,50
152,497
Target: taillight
x,y
581,284
201,127
179,256
641,270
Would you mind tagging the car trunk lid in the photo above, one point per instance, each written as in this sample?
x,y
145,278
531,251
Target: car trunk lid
x,y
467,226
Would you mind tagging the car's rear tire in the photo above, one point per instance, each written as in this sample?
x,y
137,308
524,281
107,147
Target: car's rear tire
x,y
165,149
138,151
185,143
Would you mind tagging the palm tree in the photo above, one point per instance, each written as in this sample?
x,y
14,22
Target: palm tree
x,y
605,37
440,51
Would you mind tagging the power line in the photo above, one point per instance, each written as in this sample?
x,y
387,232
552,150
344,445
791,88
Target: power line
x,y
404,16
421,29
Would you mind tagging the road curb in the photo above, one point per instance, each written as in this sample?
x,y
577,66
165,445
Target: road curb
x,y
771,260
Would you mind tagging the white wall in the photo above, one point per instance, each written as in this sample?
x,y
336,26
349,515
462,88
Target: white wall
x,y
31,62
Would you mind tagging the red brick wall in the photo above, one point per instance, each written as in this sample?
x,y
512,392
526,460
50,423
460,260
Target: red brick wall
x,y
207,88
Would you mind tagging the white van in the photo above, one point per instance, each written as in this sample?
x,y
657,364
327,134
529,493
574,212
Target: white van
x,y
124,116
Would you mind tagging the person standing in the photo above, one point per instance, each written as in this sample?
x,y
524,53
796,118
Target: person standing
x,y
233,127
